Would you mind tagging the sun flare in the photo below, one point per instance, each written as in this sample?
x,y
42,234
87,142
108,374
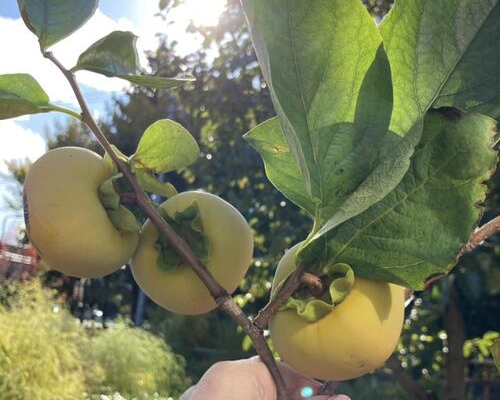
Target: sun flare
x,y
203,12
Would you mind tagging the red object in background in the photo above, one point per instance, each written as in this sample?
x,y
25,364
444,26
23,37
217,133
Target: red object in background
x,y
17,261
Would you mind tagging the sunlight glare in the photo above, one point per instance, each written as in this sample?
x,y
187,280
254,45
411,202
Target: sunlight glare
x,y
204,12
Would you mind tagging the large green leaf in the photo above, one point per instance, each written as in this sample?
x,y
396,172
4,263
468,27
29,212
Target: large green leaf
x,y
443,53
166,146
53,20
281,168
330,83
418,229
21,94
115,55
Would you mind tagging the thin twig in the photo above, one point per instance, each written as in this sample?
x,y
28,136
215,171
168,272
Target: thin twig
x,y
289,287
220,295
481,234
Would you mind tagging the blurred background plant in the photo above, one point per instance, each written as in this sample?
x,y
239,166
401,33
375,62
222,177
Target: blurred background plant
x,y
47,354
442,348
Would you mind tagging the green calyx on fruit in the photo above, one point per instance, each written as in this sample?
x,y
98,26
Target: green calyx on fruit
x,y
338,279
189,225
109,193
231,248
65,218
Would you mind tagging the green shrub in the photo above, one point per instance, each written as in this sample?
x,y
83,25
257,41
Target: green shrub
x,y
40,346
46,354
136,363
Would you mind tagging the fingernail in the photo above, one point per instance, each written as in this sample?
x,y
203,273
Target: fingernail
x,y
339,397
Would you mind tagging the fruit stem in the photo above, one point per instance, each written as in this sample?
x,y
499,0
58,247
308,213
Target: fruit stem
x,y
314,284
221,297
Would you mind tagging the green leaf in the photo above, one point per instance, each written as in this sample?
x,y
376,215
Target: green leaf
x,y
330,83
109,161
443,54
109,194
115,55
283,171
419,228
21,94
53,20
124,219
166,146
495,352
151,184
157,82
281,168
110,198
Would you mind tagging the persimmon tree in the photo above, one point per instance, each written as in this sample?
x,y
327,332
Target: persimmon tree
x,y
383,136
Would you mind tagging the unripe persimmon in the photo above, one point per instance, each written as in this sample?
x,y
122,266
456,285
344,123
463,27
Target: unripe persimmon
x,y
230,253
65,219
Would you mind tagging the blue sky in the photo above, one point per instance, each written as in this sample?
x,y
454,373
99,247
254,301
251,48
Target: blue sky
x,y
127,9
24,137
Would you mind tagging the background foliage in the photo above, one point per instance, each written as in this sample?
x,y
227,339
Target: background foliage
x,y
47,354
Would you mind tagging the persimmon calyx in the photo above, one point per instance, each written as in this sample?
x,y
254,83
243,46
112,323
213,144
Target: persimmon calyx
x,y
188,224
339,280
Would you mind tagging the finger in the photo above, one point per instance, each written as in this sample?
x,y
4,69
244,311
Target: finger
x,y
299,386
187,394
303,388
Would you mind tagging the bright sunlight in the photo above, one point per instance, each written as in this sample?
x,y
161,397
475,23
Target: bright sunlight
x,y
203,12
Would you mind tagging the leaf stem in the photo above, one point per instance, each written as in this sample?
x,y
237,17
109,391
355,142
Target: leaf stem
x,y
221,297
64,110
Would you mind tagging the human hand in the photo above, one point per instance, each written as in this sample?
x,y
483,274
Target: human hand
x,y
251,380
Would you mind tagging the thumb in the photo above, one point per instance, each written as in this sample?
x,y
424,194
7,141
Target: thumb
x,y
297,383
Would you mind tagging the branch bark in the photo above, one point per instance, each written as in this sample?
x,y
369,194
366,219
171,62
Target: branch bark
x,y
220,295
481,234
290,286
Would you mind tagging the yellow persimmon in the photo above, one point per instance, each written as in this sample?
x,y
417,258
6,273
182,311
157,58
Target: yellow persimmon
x,y
357,336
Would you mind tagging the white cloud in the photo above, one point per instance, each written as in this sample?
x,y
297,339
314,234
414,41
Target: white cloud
x,y
23,54
18,143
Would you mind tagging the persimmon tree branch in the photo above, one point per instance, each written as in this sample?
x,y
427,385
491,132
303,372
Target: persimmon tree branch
x,y
288,288
481,234
220,295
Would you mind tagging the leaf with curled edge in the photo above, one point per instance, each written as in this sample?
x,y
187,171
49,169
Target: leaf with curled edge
x,y
418,229
443,54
